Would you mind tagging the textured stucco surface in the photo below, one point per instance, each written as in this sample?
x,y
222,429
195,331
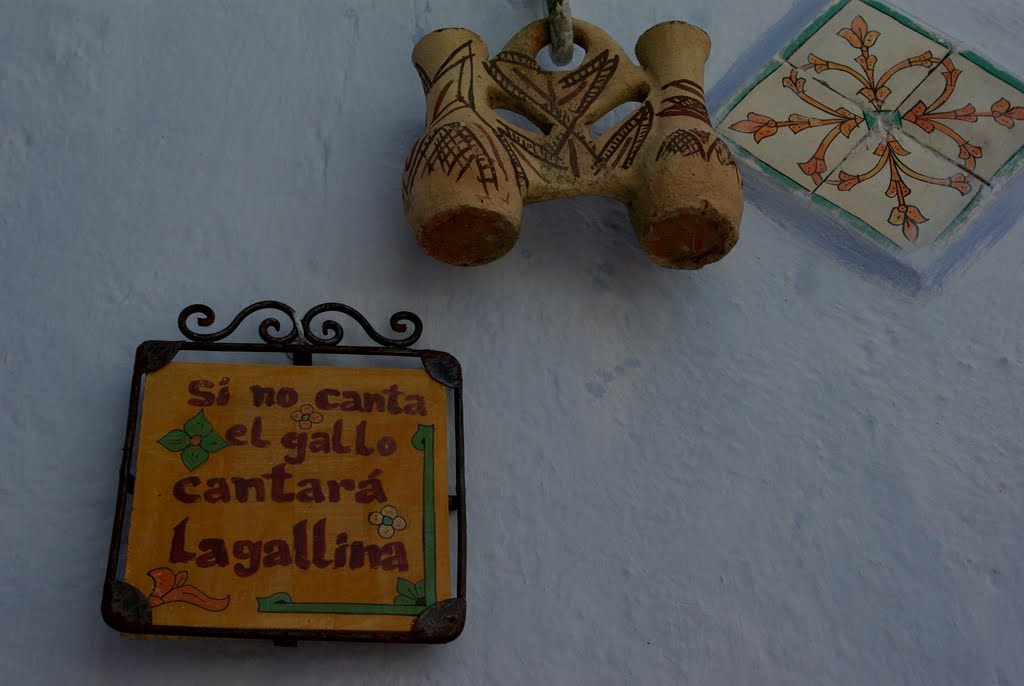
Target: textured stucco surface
x,y
777,470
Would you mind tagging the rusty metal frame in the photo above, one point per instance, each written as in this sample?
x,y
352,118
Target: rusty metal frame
x,y
126,609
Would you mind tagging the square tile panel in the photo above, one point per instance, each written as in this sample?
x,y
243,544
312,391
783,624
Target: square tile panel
x,y
900,188
967,113
795,125
868,55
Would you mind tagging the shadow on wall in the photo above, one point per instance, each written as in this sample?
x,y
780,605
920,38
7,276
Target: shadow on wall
x,y
565,246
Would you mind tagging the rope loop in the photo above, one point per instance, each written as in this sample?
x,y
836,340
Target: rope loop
x,y
560,27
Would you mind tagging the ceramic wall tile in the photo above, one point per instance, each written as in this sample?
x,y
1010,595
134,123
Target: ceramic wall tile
x,y
926,139
969,114
900,188
868,55
795,125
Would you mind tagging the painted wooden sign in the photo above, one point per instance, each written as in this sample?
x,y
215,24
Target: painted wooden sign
x,y
287,501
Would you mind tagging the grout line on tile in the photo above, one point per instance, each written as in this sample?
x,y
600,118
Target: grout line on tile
x,y
943,155
918,85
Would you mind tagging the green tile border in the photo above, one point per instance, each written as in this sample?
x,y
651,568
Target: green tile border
x,y
793,45
1009,167
845,217
965,214
812,28
992,69
282,603
910,23
1013,164
767,169
723,112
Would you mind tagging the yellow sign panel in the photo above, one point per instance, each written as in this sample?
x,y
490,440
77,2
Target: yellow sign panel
x,y
290,498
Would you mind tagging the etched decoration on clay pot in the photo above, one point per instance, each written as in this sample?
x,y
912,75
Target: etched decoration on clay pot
x,y
470,173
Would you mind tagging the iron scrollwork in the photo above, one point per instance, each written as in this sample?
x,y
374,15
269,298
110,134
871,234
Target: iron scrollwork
x,y
302,329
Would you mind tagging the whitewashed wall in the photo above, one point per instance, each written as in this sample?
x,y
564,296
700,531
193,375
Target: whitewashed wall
x,y
773,471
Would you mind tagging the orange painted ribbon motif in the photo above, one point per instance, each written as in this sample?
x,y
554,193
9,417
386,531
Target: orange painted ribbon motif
x,y
169,587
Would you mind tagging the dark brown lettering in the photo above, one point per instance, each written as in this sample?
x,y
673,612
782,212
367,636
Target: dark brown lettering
x,y
392,394
300,545
371,489
277,477
361,551
361,448
178,552
323,401
337,442
334,488
386,446
311,491
261,396
248,551
242,487
373,402
320,443
396,559
215,553
414,404
217,491
296,441
350,402
181,494
235,433
340,549
276,553
202,398
286,397
320,544
257,430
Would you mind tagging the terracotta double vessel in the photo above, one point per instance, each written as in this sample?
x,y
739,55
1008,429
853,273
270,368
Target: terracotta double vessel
x,y
469,175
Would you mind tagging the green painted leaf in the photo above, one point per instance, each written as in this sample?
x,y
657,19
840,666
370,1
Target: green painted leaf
x,y
212,442
406,588
198,425
421,590
193,456
404,600
175,441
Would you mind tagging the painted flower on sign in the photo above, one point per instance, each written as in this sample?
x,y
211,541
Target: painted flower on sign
x,y
169,587
410,593
387,521
306,416
195,441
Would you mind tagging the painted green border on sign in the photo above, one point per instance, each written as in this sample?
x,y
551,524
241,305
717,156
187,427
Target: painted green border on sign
x,y
422,440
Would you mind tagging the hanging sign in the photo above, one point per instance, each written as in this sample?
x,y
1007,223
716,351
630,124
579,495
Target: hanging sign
x,y
289,501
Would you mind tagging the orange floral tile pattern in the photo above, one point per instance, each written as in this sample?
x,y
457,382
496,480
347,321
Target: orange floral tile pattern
x,y
892,158
930,119
935,113
861,38
839,119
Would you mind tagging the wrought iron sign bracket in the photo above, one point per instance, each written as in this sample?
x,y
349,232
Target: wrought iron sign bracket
x,y
127,609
